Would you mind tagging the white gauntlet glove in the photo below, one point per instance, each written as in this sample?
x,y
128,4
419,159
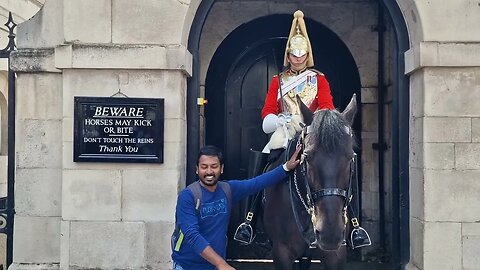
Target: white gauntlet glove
x,y
271,122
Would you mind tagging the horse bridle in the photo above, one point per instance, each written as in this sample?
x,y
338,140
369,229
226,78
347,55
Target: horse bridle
x,y
314,196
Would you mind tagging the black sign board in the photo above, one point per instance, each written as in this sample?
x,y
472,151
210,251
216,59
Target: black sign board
x,y
108,129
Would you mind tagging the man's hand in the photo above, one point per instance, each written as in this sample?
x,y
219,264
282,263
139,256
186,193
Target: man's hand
x,y
293,161
212,257
225,267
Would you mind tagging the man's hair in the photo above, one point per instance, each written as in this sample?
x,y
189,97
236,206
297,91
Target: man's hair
x,y
210,150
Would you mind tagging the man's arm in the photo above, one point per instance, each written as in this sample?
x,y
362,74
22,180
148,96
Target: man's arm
x,y
243,188
212,257
187,221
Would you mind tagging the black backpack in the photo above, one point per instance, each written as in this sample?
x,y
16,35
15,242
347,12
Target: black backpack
x,y
177,236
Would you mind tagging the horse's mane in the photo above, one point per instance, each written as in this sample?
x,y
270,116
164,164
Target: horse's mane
x,y
329,131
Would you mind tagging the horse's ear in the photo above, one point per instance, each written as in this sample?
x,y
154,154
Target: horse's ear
x,y
351,109
306,112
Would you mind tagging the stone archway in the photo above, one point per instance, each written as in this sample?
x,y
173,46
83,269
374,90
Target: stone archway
x,y
399,117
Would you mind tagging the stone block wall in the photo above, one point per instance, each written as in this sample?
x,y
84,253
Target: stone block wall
x,y
444,160
96,215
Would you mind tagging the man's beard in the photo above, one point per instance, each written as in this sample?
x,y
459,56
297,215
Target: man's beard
x,y
209,182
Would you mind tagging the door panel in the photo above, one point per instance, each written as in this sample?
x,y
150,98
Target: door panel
x,y
245,90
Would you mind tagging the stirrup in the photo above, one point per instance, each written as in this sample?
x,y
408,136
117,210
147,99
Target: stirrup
x,y
360,238
244,233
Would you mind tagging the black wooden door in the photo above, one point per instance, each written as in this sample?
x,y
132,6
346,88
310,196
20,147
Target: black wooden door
x,y
245,90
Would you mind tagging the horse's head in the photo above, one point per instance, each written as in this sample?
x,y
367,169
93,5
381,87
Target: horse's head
x,y
328,154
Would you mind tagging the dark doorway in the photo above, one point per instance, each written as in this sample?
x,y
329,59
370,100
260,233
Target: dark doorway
x,y
236,84
400,116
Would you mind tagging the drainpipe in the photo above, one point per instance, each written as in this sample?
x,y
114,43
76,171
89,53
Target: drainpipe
x,y
381,146
8,213
10,165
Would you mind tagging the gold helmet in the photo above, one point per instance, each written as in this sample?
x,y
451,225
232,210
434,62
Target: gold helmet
x,y
298,43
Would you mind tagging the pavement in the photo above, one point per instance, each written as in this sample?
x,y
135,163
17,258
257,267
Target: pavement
x,y
314,266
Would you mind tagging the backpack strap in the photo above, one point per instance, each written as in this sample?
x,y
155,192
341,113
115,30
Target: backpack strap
x,y
195,188
228,192
197,194
178,236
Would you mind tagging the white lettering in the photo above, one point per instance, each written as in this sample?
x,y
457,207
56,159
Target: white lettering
x,y
123,130
91,140
123,122
108,130
98,122
145,140
143,122
98,111
131,149
113,140
111,149
118,112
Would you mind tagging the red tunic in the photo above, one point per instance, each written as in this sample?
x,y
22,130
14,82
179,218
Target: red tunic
x,y
324,97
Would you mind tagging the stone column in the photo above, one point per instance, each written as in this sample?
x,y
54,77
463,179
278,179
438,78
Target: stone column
x,y
444,67
445,142
96,215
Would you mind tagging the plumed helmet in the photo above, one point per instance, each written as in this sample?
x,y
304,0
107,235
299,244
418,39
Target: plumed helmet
x,y
298,43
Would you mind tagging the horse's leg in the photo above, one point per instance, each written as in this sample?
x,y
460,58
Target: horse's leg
x,y
283,257
335,260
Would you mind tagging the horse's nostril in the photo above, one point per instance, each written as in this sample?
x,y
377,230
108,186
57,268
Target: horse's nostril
x,y
328,241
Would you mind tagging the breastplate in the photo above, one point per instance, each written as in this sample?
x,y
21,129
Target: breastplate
x,y
305,88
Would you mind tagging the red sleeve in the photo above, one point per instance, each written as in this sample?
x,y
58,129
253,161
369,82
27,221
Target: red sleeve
x,y
324,95
271,103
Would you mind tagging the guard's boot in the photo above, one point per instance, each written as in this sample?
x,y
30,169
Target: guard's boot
x,y
245,231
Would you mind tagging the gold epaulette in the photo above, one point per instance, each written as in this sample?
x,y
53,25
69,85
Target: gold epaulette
x,y
318,72
279,74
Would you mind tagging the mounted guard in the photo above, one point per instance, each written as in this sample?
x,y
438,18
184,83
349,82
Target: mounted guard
x,y
283,120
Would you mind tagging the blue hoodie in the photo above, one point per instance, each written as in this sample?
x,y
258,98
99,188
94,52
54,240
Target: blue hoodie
x,y
209,228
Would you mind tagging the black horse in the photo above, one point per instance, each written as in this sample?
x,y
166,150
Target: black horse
x,y
307,214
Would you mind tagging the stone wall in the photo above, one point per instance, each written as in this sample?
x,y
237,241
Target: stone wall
x,y
96,215
104,215
443,65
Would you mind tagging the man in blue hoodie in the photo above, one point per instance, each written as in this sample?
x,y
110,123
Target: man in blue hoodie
x,y
203,241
